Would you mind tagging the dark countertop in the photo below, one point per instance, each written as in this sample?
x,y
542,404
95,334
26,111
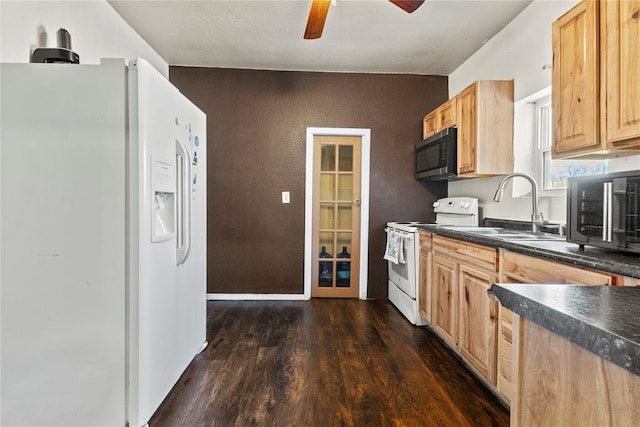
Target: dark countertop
x,y
601,319
624,264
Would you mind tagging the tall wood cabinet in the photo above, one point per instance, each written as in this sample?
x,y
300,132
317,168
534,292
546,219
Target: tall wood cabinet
x,y
596,80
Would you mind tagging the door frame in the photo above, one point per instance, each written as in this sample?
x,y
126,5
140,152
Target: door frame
x,y
365,159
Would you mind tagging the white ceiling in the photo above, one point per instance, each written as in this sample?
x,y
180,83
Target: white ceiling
x,y
370,36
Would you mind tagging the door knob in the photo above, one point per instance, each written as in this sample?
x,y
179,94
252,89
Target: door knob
x,y
356,202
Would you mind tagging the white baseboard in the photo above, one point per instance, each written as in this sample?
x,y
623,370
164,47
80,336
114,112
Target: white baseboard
x,y
256,297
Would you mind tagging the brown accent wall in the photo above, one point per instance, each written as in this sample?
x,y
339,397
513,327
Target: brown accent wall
x,y
256,135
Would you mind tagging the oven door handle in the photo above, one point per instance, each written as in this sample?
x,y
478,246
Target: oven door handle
x,y
607,212
402,234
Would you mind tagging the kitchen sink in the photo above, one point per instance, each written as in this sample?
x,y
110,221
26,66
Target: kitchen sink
x,y
506,234
480,230
529,236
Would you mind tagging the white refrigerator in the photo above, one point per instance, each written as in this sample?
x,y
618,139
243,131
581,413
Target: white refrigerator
x,y
103,242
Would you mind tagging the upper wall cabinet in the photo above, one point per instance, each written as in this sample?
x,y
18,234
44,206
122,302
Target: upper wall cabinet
x,y
485,128
596,80
620,24
439,119
483,114
575,90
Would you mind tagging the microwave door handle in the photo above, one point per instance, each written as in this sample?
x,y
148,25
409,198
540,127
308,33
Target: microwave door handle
x,y
605,211
619,211
607,214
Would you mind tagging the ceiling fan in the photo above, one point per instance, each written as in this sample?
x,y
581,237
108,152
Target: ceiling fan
x,y
320,8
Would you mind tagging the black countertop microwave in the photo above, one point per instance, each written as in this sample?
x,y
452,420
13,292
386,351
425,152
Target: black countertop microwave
x,y
604,211
437,156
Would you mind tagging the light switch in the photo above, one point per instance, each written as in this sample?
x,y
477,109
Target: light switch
x,y
285,197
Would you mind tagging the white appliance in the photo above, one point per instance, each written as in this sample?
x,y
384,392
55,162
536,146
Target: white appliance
x,y
405,277
103,204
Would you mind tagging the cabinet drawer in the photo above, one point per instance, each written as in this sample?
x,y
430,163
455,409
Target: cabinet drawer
x,y
535,270
425,240
481,256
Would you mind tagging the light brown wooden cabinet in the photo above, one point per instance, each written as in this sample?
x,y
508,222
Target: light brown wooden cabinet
x,y
485,128
456,275
504,357
483,115
478,320
596,80
439,119
445,298
620,35
559,383
575,93
463,314
518,268
424,280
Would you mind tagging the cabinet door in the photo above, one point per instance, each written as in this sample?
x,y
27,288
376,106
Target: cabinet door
x,y
467,129
430,124
621,58
504,362
575,88
478,321
445,299
447,114
425,292
505,353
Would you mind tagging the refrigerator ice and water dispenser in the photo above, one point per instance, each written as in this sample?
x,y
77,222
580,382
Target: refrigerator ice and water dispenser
x,y
163,210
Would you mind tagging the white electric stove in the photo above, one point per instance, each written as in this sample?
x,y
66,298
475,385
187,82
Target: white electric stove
x,y
404,277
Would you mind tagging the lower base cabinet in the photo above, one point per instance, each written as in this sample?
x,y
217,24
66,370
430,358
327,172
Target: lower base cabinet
x,y
478,320
445,299
463,314
455,277
518,268
561,384
505,353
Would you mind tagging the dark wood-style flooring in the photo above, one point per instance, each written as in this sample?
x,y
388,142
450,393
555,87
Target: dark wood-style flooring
x,y
324,362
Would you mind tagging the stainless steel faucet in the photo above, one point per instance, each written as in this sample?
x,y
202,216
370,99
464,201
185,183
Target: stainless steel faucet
x,y
536,216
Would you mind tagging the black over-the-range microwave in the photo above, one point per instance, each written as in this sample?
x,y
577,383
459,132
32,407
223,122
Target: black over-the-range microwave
x,y
604,211
437,156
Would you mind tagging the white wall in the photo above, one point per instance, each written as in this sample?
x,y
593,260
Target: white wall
x,y
518,52
97,31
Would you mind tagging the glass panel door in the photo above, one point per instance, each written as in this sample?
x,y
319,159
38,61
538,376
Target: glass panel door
x,y
336,196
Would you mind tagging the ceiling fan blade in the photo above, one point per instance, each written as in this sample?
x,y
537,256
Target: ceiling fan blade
x,y
408,5
317,17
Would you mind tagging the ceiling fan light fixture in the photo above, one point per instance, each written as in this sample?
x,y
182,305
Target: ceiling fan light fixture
x,y
320,8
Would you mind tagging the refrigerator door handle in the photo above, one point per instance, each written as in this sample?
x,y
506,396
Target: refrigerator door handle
x,y
183,186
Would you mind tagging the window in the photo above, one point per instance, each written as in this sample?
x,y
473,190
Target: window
x,y
553,174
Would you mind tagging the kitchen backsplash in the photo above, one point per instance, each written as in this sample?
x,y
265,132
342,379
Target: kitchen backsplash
x,y
553,208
